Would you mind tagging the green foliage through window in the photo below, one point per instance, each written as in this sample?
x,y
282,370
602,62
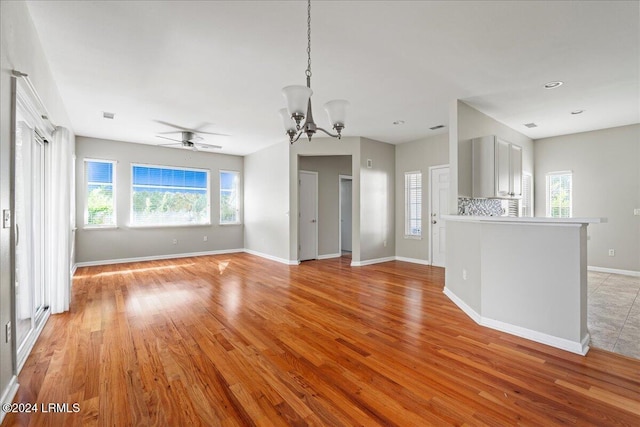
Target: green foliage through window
x,y
99,179
229,197
559,195
169,196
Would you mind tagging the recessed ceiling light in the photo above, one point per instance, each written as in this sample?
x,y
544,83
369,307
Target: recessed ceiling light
x,y
531,125
107,115
437,127
574,112
398,122
553,85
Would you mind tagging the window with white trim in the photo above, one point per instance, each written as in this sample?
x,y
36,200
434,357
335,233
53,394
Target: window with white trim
x,y
526,206
413,204
100,201
229,197
169,196
559,203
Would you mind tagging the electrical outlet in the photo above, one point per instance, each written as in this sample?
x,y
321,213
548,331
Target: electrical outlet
x,y
464,274
205,238
636,212
8,332
612,252
175,241
384,243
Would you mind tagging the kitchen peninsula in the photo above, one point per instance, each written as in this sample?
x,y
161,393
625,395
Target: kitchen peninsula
x,y
524,276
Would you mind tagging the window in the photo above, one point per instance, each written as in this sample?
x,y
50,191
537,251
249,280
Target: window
x,y
413,204
100,207
229,197
526,207
163,196
559,194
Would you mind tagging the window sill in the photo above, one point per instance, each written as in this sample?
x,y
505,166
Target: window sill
x,y
413,237
138,226
100,227
223,224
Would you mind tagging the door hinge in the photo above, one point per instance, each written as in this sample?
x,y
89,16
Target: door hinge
x,y
6,218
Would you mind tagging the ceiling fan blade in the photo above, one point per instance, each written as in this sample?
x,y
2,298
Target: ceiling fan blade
x,y
172,125
210,146
212,133
170,139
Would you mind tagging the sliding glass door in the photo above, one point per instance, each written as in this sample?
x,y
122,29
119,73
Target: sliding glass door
x,y
30,231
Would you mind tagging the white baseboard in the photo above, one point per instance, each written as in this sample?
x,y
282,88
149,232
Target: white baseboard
x,y
372,261
271,257
156,257
614,271
463,306
413,260
328,256
580,348
8,394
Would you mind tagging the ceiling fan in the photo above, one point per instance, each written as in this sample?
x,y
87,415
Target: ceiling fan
x,y
189,138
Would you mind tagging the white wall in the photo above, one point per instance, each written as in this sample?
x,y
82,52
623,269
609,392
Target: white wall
x,y
20,49
417,156
266,209
329,169
377,200
126,242
606,183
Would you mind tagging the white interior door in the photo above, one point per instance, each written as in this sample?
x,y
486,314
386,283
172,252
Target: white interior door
x,y
308,216
345,213
439,202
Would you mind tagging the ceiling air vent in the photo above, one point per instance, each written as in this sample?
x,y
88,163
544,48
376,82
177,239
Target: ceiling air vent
x,y
531,125
437,127
108,115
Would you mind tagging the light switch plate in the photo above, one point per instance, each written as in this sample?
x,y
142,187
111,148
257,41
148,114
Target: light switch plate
x,y
636,212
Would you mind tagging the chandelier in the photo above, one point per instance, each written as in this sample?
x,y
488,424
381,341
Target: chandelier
x,y
299,104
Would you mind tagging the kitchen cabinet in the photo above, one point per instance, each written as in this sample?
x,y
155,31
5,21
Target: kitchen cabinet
x,y
496,168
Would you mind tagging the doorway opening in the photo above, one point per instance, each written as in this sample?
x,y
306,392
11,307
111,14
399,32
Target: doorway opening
x,y
346,215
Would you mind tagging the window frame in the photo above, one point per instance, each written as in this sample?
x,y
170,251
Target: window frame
x,y
133,224
548,207
238,198
408,234
85,224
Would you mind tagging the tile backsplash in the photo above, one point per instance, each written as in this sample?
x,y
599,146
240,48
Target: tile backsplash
x,y
480,207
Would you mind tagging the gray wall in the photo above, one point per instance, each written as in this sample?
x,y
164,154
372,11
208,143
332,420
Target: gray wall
x,y
377,200
329,169
20,49
606,183
417,156
266,209
124,242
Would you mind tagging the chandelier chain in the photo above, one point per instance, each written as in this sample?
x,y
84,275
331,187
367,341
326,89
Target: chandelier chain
x,y
308,72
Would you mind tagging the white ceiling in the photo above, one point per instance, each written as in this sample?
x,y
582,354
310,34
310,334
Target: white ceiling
x,y
225,62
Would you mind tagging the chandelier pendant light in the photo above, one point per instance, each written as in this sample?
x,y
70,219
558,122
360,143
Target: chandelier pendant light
x,y
299,104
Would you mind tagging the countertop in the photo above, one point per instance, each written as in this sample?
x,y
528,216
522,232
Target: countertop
x,y
523,220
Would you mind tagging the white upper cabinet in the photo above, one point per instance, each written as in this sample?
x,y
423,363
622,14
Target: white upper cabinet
x,y
497,168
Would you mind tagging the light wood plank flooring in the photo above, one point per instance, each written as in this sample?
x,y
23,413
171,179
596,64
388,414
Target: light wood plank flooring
x,y
239,340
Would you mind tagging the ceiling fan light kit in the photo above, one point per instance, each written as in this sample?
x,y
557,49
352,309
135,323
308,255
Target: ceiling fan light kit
x,y
298,100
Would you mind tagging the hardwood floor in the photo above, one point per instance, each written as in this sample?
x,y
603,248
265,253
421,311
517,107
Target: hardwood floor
x,y
239,340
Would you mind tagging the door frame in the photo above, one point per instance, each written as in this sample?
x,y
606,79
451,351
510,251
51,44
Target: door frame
x,y
431,169
340,179
315,213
